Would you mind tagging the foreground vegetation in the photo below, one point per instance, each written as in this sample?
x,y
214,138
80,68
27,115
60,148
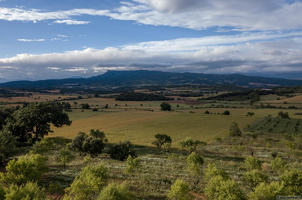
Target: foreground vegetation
x,y
202,149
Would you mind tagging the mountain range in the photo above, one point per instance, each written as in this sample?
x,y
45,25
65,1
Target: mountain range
x,y
145,77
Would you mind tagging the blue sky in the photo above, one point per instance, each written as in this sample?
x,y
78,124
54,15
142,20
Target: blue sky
x,y
42,39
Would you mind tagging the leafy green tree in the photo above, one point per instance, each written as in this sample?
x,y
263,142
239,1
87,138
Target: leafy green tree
x,y
180,190
195,162
121,151
292,180
7,145
234,130
93,146
161,139
226,112
254,178
43,146
220,189
278,164
65,156
189,144
88,183
29,191
252,163
77,142
4,114
132,164
165,106
26,168
85,106
98,134
35,120
266,191
116,192
212,171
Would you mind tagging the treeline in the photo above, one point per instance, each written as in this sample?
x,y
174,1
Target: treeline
x,y
252,95
136,96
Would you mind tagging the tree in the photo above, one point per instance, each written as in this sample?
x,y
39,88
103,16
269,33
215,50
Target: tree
x,y
165,106
234,130
180,190
132,164
7,144
226,112
212,171
93,146
115,192
252,163
278,164
65,156
27,168
190,144
87,184
29,191
77,142
98,134
43,146
161,139
254,178
292,180
220,189
85,106
266,191
121,151
195,162
35,119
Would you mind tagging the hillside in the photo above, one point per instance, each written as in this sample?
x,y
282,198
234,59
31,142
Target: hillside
x,y
144,77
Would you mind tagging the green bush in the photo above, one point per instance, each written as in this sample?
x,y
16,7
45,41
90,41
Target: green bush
x,y
195,162
115,192
220,189
292,181
180,190
212,171
121,151
234,130
26,168
252,163
7,144
278,164
65,156
254,178
266,191
132,164
88,184
29,191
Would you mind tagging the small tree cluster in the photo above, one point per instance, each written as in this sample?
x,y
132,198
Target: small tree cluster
x,y
122,150
165,106
88,144
162,139
234,130
195,162
283,115
189,144
180,190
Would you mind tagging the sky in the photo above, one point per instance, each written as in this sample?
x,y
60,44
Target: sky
x,y
42,39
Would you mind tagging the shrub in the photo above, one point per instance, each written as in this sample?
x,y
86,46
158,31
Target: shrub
x,y
27,168
254,178
180,190
165,106
190,144
226,112
234,130
115,192
29,191
65,156
194,162
220,189
212,171
121,151
43,146
93,146
132,164
161,139
77,142
88,184
266,191
292,181
278,164
252,163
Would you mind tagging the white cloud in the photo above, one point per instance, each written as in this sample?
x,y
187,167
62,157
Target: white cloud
x,y
31,40
71,22
194,14
260,52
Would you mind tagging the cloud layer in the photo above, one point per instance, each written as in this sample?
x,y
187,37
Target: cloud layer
x,y
253,53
